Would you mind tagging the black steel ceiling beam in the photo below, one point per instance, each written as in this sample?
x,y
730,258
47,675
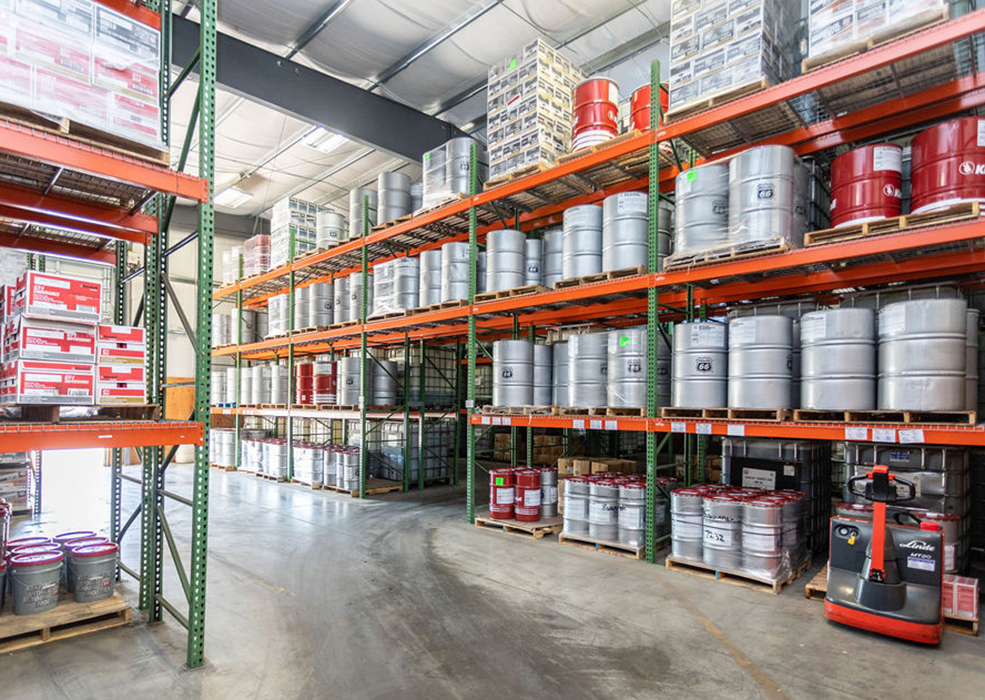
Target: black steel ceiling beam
x,y
315,97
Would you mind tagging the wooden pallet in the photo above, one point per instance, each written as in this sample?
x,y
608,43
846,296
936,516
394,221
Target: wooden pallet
x,y
773,415
385,317
714,100
515,175
84,134
817,589
600,411
307,485
898,224
615,548
274,406
374,487
537,530
914,24
575,155
600,277
517,410
738,578
622,411
451,304
309,329
69,619
388,224
901,417
727,253
344,324
510,293
222,467
710,413
268,477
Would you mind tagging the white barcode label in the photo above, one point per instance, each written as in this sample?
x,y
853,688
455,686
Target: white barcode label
x,y
531,498
78,392
504,496
87,309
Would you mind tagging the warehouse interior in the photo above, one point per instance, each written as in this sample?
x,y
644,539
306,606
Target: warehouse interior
x,y
562,348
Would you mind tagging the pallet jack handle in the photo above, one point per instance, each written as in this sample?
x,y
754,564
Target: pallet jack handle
x,y
881,488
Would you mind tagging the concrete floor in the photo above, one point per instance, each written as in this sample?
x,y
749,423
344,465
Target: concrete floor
x,y
316,595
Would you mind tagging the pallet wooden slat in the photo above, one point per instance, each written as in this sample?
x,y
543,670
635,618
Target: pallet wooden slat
x,y
537,530
517,410
606,547
710,413
738,578
526,290
69,619
600,277
897,224
515,175
734,252
895,417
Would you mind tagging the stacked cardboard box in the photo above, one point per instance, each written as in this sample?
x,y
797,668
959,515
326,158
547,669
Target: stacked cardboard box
x,y
586,466
121,375
547,449
49,340
726,46
81,60
529,107
501,447
295,219
838,27
256,255
960,597
15,479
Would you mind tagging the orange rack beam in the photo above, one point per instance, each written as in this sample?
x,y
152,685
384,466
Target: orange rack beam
x,y
19,437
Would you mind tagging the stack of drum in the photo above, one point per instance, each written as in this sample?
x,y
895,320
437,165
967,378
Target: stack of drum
x,y
330,229
222,447
581,244
394,196
506,260
524,494
251,451
309,463
595,117
838,360
625,231
458,154
359,200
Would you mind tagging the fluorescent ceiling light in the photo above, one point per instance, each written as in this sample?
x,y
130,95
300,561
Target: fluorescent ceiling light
x,y
232,197
323,140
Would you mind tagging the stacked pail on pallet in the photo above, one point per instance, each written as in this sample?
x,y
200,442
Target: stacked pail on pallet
x,y
595,118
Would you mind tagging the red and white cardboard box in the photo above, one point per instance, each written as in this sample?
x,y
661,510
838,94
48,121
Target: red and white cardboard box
x,y
41,382
120,334
116,374
121,353
42,295
34,339
121,385
960,597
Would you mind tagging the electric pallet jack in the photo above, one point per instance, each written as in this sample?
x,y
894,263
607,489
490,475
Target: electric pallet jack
x,y
886,578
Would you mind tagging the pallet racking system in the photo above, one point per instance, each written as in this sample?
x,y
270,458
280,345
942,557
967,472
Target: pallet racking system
x,y
88,200
889,90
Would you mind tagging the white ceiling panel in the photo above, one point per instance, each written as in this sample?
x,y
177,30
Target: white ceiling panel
x,y
616,32
562,19
277,23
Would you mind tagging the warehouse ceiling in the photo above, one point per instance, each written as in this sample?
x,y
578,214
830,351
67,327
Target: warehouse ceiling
x,y
432,55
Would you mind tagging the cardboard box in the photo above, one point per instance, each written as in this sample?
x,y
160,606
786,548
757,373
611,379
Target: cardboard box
x,y
574,466
121,394
121,353
607,464
120,334
960,597
13,475
55,297
40,382
34,339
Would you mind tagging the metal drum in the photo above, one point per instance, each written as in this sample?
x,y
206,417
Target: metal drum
x,y
559,395
838,360
867,184
513,373
406,283
527,505
626,371
246,385
553,255
502,494
458,156
576,505
762,535
279,310
801,203
356,223
761,195
330,229
454,271
356,296
603,510
971,361
722,526
702,212
304,384
506,260
948,165
217,388
263,377
225,446
416,196
340,292
480,272
433,177
349,381
275,458
326,382
533,261
221,334
394,196
347,468
760,362
543,375
430,284
321,304
263,324
625,231
639,106
595,113
581,244
279,385
665,232
632,514
301,307
232,385
664,370
548,492
385,386
699,378
587,368
922,349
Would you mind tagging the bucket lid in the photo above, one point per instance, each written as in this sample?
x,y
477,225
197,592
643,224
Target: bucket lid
x,y
96,550
69,536
35,559
35,549
85,542
27,541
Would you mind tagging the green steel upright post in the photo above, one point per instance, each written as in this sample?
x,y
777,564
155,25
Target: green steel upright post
x,y
458,413
364,354
422,388
206,235
406,382
653,318
470,383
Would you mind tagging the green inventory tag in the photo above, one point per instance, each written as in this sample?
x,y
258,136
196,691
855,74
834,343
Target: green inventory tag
x,y
427,157
689,176
513,64
624,342
499,481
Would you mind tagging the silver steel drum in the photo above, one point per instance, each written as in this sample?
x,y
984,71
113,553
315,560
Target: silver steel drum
x,y
340,310
922,355
760,362
385,385
279,385
625,231
356,296
394,196
349,380
505,260
321,304
722,524
581,245
263,378
603,511
587,367
533,258
838,360
665,232
513,373
543,375
301,299
560,391
971,361
330,229
553,254
761,195
702,212
699,378
454,271
430,285
357,198
626,373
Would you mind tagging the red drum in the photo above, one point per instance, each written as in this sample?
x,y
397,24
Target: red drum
x,y
867,184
